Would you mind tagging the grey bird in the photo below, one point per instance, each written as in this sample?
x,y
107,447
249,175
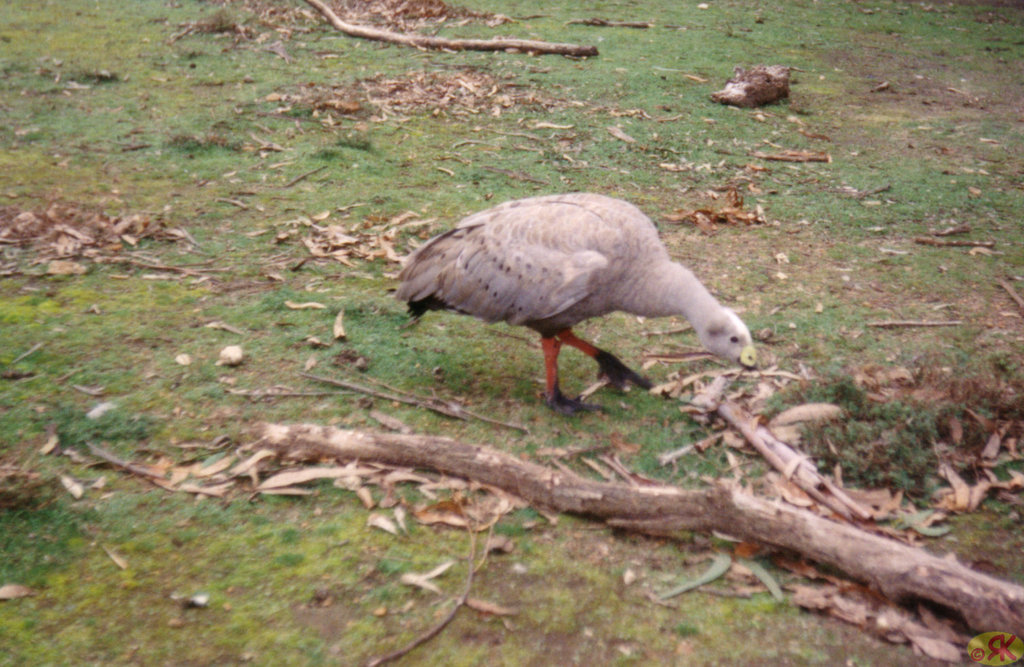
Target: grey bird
x,y
550,262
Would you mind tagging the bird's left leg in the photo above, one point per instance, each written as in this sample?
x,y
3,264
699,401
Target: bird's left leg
x,y
553,396
609,366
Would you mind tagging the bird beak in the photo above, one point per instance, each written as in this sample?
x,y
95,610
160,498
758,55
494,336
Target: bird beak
x,y
748,357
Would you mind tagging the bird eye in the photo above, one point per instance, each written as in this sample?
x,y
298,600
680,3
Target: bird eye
x,y
735,339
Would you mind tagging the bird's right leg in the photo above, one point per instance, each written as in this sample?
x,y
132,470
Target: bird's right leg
x,y
553,396
609,367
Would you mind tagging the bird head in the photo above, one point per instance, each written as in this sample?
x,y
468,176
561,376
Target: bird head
x,y
728,337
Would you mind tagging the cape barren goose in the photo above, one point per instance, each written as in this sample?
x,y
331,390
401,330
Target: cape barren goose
x,y
550,262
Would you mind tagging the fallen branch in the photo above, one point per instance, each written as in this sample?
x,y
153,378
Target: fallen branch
x,y
428,42
900,572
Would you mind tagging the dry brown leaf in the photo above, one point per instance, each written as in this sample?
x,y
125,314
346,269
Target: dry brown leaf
x,y
73,487
993,445
380,521
808,412
179,475
619,134
977,494
389,422
792,494
400,515
492,608
15,591
287,491
63,267
960,500
365,497
118,560
545,125
499,543
732,212
339,326
882,502
292,477
51,444
244,467
794,156
213,490
304,306
956,430
423,580
937,649
853,605
436,515
220,465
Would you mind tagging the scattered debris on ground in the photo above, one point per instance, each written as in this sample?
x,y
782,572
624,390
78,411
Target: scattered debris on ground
x,y
63,232
730,213
410,15
265,468
463,92
370,240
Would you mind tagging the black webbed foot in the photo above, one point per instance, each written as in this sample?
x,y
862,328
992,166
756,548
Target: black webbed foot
x,y
561,403
617,373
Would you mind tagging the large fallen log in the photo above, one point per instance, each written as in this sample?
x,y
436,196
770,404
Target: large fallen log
x,y
902,573
429,42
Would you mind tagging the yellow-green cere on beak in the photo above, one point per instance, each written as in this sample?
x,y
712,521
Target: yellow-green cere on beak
x,y
748,357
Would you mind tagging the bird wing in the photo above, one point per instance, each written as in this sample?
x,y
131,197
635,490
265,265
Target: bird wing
x,y
518,262
528,282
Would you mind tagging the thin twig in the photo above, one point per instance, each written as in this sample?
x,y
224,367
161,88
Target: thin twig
x,y
158,267
446,408
925,240
301,177
128,466
605,23
667,332
436,630
25,353
234,202
891,324
1012,292
516,175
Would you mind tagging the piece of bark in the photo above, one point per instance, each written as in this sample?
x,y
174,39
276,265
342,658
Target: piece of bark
x,y
902,573
440,43
755,87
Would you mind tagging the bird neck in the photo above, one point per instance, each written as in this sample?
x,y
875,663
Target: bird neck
x,y
674,290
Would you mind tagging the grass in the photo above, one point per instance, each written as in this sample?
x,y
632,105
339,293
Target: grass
x,y
107,111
